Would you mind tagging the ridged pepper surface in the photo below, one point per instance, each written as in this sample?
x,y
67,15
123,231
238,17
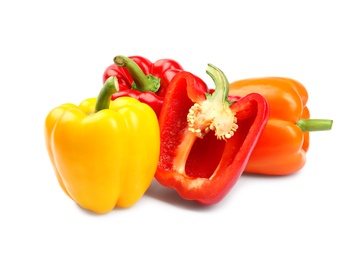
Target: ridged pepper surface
x,y
98,149
142,79
282,147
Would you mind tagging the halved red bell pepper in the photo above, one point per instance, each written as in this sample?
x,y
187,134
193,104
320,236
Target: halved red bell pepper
x,y
141,79
199,165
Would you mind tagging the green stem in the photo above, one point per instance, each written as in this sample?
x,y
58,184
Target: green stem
x,y
104,98
221,92
309,125
141,82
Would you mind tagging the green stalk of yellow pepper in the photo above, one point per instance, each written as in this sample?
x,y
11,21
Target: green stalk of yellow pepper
x,y
104,153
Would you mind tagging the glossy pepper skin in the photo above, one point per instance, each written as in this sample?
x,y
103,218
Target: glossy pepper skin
x,y
97,149
282,147
141,79
205,140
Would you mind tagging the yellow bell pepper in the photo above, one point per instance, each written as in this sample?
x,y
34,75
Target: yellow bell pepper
x,y
104,153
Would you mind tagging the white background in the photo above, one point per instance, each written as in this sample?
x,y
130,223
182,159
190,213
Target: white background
x,y
53,52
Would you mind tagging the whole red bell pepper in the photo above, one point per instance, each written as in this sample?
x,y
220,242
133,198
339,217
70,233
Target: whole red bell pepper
x,y
141,79
198,164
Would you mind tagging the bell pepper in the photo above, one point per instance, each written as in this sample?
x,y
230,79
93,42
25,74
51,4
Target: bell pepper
x,y
98,149
282,147
141,79
206,141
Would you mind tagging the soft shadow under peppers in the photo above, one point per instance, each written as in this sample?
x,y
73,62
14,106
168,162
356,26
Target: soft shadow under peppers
x,y
206,140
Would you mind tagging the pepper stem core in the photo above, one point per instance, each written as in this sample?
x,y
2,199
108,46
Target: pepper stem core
x,y
141,82
214,113
104,98
309,125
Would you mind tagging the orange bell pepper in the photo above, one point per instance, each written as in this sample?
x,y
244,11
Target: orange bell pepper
x,y
282,146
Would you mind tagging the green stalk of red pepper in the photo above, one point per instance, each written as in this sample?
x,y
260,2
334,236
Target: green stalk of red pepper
x,y
139,78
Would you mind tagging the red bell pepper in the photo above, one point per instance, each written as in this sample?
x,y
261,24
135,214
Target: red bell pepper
x,y
199,165
141,79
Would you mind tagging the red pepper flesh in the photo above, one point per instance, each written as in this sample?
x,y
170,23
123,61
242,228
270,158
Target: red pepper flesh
x,y
139,78
199,165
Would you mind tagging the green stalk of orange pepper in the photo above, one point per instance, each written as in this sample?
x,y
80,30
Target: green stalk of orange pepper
x,y
282,146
